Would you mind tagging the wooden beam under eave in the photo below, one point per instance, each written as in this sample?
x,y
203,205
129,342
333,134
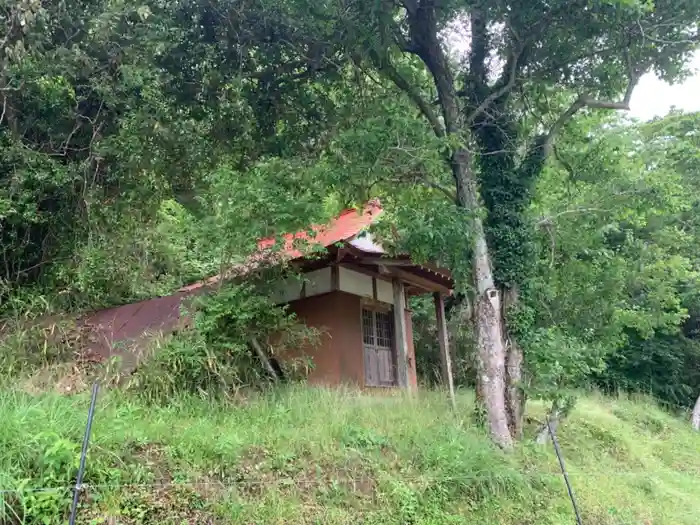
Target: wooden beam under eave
x,y
385,261
396,261
402,362
443,340
399,263
420,282
335,277
419,285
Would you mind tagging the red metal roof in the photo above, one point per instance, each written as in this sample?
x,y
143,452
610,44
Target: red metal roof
x,y
343,228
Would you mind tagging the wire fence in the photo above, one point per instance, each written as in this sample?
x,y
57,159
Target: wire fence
x,y
365,485
302,483
356,488
282,482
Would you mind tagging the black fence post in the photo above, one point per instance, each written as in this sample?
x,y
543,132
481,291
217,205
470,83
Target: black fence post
x,y
563,471
83,456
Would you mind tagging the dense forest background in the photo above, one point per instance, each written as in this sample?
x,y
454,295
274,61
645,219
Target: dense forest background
x,y
145,145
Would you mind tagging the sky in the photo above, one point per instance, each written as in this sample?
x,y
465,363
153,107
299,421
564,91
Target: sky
x,y
654,98
651,98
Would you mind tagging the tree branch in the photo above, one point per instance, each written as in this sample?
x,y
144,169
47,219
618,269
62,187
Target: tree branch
x,y
477,55
585,101
416,176
411,6
564,162
624,104
403,84
424,34
4,108
450,194
498,92
694,39
563,119
418,179
550,220
634,75
404,43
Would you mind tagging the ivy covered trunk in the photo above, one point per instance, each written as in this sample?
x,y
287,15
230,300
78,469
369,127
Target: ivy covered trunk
x,y
489,325
696,415
506,188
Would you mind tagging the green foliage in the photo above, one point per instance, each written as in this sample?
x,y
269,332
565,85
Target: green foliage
x,y
618,259
145,145
559,364
427,350
113,111
664,366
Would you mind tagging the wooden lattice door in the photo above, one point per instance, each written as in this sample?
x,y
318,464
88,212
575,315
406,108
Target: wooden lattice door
x,y
378,343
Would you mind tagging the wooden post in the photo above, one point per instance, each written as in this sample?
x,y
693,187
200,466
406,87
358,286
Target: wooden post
x,y
400,333
445,359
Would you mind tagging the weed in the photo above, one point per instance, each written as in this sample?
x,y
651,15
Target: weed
x,y
304,456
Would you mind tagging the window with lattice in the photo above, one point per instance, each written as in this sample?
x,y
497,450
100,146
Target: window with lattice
x,y
378,343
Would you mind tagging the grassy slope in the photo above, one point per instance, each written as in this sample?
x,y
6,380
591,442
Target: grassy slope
x,y
305,456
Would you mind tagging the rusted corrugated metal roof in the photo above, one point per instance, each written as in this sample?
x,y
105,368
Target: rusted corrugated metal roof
x,y
127,329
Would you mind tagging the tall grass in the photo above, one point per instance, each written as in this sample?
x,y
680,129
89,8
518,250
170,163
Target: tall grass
x,y
303,455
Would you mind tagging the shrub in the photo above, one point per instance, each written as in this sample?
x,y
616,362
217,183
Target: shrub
x,y
213,357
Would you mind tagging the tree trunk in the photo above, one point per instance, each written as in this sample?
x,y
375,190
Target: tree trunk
x,y
695,420
515,398
423,23
488,327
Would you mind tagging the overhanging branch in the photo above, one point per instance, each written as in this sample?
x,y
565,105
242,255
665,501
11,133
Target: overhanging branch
x,y
392,74
425,181
563,119
449,193
4,108
624,104
499,91
544,221
567,165
586,101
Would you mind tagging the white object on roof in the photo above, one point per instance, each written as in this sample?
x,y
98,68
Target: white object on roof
x,y
365,243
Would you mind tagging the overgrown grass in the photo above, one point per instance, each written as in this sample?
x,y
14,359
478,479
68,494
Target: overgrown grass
x,y
315,456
